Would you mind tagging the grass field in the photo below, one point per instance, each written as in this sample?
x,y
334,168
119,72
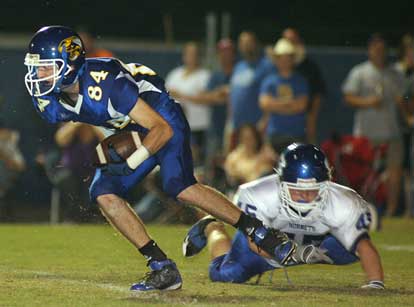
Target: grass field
x,y
74,265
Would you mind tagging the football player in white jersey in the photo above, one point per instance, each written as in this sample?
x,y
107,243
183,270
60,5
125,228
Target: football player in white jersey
x,y
328,221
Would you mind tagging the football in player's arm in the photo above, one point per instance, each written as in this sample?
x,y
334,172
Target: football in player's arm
x,y
106,92
329,222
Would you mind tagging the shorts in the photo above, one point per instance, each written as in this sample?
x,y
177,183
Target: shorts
x,y
176,168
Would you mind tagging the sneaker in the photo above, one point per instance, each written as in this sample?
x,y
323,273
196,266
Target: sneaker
x,y
164,275
196,240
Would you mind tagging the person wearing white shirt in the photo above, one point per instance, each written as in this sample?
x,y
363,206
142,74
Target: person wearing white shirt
x,y
191,79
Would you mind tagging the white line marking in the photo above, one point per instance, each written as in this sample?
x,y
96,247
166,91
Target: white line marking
x,y
406,248
106,286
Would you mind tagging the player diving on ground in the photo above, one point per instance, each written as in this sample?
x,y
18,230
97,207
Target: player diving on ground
x,y
328,221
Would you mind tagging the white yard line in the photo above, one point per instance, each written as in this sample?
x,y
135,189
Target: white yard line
x,y
106,286
398,248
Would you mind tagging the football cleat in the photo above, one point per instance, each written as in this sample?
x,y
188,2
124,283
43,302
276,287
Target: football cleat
x,y
164,276
196,240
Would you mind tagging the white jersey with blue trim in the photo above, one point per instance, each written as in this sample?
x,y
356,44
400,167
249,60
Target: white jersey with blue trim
x,y
108,90
344,215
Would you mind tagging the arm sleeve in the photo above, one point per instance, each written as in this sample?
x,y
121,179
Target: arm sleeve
x,y
124,94
355,225
268,87
352,83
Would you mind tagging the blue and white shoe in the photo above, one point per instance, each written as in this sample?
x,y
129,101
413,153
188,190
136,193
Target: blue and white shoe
x,y
164,276
196,240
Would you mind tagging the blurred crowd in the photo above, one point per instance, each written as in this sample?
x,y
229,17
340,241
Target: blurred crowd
x,y
245,111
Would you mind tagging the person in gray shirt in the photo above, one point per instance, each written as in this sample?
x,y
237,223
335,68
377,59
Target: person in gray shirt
x,y
375,90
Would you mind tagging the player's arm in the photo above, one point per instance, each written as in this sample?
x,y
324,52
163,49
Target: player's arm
x,y
160,132
295,105
370,262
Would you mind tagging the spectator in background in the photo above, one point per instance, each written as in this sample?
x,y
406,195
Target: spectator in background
x,y
284,96
191,79
71,170
216,96
250,159
310,70
245,82
375,90
12,164
91,50
405,66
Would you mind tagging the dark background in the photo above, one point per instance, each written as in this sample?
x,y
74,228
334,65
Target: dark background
x,y
328,23
333,22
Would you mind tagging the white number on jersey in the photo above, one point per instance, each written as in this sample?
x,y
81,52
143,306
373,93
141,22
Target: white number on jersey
x,y
98,76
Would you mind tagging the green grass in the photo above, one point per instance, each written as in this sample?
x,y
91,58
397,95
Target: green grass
x,y
74,265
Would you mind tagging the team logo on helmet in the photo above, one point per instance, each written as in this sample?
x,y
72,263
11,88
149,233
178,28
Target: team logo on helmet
x,y
73,47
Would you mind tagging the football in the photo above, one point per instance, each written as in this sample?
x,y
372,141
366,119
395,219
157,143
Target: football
x,y
125,143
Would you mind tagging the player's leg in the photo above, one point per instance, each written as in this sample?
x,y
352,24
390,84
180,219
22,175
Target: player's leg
x,y
120,215
239,263
178,181
219,241
211,201
106,190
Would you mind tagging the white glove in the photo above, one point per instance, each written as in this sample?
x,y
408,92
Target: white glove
x,y
310,254
374,284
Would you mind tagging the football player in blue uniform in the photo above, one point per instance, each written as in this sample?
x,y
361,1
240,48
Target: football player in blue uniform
x,y
106,92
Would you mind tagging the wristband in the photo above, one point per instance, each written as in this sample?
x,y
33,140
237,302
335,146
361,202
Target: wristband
x,y
139,156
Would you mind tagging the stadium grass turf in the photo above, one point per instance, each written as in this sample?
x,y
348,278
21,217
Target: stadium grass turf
x,y
73,265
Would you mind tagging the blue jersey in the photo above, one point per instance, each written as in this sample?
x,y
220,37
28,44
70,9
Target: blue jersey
x,y
280,87
108,90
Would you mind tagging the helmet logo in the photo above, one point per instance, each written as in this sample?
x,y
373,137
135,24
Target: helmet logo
x,y
73,47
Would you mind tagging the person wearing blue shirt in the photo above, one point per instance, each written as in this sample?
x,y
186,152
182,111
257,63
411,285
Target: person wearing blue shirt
x,y
106,92
245,82
284,97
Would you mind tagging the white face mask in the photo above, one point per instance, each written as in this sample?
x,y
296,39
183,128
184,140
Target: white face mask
x,y
300,209
38,85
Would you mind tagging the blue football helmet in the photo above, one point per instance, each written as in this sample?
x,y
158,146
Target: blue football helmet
x,y
55,60
303,167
